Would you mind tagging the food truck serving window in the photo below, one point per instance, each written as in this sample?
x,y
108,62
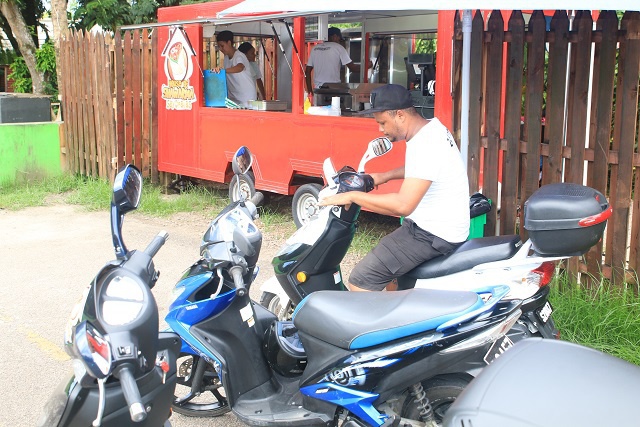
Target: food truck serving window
x,y
393,51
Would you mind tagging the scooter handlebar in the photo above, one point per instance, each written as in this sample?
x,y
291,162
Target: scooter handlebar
x,y
131,394
236,273
156,243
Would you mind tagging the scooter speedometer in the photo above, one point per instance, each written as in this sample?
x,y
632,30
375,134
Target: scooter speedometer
x,y
123,301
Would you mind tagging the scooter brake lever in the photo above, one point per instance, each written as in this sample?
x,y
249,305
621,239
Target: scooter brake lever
x,y
102,397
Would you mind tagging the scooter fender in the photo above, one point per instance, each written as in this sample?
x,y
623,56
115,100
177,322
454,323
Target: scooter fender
x,y
273,286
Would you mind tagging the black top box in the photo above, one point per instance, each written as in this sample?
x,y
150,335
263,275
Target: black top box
x,y
565,219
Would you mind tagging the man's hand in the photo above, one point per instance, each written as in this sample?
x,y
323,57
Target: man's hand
x,y
216,70
378,178
340,199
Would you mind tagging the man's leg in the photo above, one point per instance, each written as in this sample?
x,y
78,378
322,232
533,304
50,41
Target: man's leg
x,y
392,286
395,255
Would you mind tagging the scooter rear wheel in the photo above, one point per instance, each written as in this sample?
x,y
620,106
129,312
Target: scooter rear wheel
x,y
208,399
441,391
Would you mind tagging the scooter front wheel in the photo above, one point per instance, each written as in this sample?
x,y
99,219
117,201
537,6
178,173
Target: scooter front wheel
x,y
272,303
199,391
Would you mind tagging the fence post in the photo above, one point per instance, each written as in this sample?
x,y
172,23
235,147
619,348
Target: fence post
x,y
493,97
600,134
513,103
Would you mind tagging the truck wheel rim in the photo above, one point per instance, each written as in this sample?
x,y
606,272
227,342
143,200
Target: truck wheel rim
x,y
307,208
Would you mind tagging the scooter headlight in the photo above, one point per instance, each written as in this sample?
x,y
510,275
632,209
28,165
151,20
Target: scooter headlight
x,y
123,301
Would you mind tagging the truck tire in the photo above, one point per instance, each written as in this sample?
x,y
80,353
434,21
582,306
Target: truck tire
x,y
247,186
305,203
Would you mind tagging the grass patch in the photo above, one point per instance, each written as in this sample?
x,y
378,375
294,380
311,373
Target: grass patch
x,y
95,194
192,199
20,196
604,318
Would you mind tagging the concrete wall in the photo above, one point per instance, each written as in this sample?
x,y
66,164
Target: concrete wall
x,y
29,151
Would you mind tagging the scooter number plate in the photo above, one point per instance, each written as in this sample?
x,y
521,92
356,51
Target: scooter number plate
x,y
544,313
498,347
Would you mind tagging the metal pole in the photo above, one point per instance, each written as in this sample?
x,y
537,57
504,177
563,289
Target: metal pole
x,y
466,74
294,47
264,49
275,33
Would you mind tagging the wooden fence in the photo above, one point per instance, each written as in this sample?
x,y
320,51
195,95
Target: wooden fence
x,y
87,106
109,102
571,114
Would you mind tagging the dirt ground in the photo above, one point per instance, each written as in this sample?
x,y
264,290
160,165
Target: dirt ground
x,y
47,256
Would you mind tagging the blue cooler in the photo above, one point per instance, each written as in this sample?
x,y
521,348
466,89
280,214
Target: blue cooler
x,y
215,88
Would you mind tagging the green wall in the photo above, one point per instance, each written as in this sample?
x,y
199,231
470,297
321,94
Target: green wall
x,y
29,151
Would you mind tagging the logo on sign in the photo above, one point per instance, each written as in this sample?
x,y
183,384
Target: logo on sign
x,y
178,67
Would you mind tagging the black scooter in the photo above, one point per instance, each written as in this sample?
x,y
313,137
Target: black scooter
x,y
124,369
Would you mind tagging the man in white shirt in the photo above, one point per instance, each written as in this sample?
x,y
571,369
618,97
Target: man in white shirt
x,y
325,61
434,196
250,51
241,86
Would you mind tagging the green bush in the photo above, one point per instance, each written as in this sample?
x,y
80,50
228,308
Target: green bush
x,y
45,62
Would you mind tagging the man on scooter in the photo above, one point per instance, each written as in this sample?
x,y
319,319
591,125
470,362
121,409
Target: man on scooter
x,y
434,196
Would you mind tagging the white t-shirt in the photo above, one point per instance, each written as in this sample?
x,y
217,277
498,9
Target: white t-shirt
x,y
255,70
241,86
432,155
326,60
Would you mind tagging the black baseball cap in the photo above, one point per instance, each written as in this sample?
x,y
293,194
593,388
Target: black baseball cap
x,y
389,97
333,31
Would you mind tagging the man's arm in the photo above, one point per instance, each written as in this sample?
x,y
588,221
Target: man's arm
x,y
308,79
401,203
384,177
261,89
355,68
238,68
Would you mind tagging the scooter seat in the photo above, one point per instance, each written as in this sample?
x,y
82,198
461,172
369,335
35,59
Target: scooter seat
x,y
353,320
469,254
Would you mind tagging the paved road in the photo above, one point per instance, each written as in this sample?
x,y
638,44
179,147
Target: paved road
x,y
47,256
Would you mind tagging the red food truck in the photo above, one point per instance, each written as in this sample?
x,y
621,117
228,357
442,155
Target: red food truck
x,y
197,140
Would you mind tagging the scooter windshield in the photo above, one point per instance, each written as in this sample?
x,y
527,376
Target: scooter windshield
x,y
222,230
310,232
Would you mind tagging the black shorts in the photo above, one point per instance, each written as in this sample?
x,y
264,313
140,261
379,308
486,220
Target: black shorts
x,y
396,254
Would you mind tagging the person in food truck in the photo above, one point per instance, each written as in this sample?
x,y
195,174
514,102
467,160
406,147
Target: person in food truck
x,y
325,61
434,196
241,86
250,52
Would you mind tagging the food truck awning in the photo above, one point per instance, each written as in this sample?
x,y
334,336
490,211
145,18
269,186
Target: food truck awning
x,y
213,14
257,7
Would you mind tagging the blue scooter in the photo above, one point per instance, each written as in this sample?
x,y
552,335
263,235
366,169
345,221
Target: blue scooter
x,y
349,359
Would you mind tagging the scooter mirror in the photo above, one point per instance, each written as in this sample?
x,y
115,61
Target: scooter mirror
x,y
94,350
376,148
127,188
242,160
